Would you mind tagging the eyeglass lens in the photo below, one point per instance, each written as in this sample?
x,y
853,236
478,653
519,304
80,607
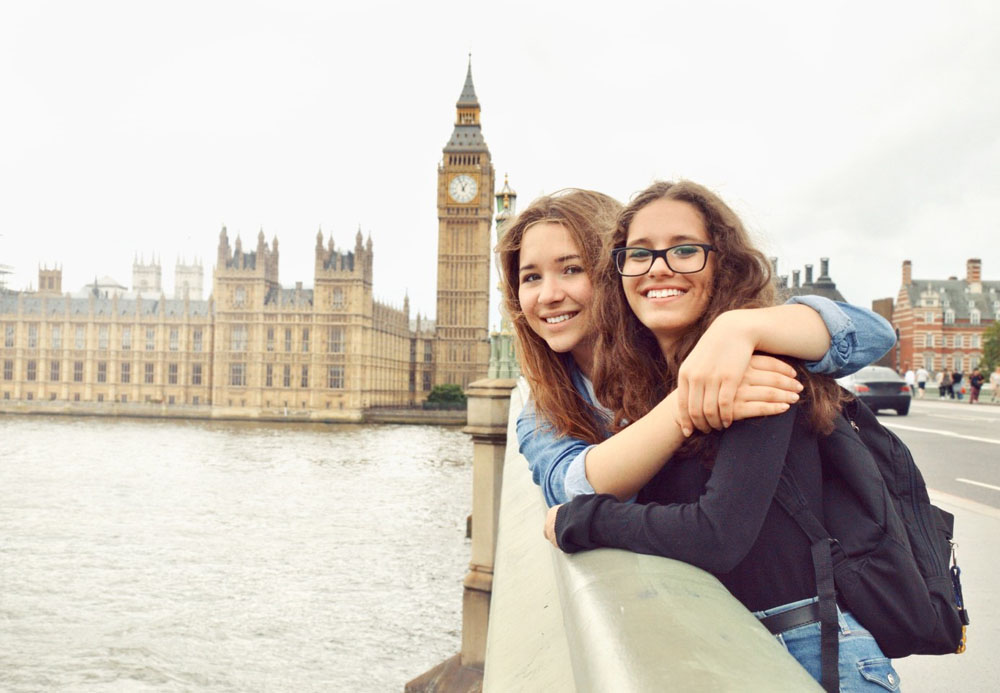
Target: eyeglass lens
x,y
682,259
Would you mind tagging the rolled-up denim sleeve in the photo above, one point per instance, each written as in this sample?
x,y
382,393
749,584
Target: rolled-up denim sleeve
x,y
549,455
576,483
858,336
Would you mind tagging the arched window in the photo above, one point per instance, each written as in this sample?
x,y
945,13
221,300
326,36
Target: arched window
x,y
959,361
929,360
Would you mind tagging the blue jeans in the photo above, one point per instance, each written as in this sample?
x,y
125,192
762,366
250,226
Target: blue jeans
x,y
863,667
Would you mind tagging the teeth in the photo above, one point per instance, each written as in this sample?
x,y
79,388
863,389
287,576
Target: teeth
x,y
664,293
559,318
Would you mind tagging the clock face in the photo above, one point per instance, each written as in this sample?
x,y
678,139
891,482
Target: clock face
x,y
462,188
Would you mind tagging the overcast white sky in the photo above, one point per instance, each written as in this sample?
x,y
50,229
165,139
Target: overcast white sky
x,y
868,132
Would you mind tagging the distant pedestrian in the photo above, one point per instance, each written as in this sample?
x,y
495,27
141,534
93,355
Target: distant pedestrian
x,y
995,382
911,379
922,376
943,383
975,385
956,385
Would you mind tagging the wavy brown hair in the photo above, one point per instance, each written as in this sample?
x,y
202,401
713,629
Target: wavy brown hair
x,y
589,217
631,372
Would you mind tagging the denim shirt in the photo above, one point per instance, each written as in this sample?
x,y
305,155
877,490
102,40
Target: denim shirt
x,y
857,338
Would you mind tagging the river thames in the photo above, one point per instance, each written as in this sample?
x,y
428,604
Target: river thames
x,y
207,556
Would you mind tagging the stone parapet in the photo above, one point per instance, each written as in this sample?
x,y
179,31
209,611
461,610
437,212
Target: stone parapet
x,y
611,620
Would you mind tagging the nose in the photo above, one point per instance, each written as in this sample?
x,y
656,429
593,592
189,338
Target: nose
x,y
552,290
661,268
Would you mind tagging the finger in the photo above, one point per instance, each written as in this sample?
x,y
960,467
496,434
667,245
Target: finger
x,y
710,406
771,379
762,393
727,400
769,363
748,410
695,408
683,392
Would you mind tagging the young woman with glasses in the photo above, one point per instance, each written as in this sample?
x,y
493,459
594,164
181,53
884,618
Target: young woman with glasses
x,y
681,261
547,258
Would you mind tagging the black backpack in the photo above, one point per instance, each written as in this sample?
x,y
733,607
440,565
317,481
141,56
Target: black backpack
x,y
882,548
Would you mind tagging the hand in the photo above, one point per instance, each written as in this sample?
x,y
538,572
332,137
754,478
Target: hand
x,y
766,389
713,372
550,525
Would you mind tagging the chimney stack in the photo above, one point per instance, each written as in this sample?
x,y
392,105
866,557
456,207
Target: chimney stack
x,y
907,273
795,279
973,270
809,275
973,275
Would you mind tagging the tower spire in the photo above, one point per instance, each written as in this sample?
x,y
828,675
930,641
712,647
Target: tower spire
x,y
468,97
467,135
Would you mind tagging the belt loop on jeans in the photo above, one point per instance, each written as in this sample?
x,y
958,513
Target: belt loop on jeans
x,y
793,618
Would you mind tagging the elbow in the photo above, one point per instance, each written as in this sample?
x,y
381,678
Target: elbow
x,y
726,547
735,546
722,556
715,550
887,342
726,560
883,337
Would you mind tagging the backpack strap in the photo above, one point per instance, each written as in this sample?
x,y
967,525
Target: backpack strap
x,y
790,498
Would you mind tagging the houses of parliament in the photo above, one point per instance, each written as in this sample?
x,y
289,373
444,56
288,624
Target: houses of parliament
x,y
255,348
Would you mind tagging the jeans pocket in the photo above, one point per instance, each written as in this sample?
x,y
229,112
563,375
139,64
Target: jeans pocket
x,y
879,670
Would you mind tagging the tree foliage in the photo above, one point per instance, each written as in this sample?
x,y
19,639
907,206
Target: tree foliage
x,y
447,394
991,348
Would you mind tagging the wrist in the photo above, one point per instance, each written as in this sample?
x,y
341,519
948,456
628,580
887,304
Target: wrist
x,y
672,411
742,324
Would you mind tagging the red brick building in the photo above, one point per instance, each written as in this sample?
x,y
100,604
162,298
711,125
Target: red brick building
x,y
940,322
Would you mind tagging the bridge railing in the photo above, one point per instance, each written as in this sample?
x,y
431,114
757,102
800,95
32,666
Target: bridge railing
x,y
611,620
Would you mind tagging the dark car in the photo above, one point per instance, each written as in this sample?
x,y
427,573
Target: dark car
x,y
879,388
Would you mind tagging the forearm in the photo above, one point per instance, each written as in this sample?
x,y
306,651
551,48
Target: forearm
x,y
549,455
625,462
717,530
787,330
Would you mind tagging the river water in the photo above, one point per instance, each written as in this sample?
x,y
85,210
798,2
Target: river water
x,y
204,556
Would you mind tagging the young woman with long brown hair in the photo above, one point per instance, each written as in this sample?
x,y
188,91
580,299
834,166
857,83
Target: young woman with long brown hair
x,y
682,261
547,258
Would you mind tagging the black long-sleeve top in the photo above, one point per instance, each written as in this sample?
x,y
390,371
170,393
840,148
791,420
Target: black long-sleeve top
x,y
724,520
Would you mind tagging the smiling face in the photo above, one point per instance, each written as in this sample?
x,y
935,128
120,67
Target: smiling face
x,y
664,301
554,290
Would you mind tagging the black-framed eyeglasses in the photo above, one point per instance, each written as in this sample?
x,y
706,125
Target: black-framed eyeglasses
x,y
681,259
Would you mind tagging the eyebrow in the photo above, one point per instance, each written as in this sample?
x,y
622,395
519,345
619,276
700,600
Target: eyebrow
x,y
674,240
562,258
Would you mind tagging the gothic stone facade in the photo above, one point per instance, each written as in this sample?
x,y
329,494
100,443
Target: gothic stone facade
x,y
256,349
105,349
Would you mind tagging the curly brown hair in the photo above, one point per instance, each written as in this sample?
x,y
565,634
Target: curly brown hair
x,y
588,216
632,374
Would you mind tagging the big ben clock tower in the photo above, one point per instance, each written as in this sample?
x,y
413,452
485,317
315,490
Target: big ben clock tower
x,y
465,198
